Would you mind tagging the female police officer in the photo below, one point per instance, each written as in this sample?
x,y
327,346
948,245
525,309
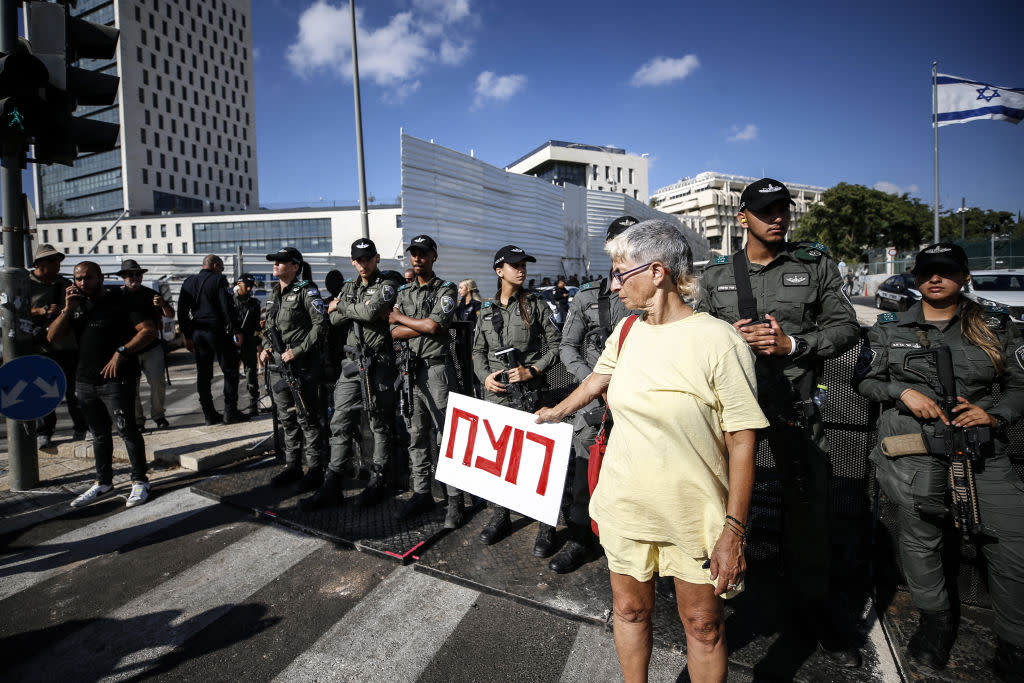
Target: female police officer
x,y
510,331
900,366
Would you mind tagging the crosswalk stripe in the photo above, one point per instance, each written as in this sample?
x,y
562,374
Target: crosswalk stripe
x,y
68,551
391,635
592,658
132,639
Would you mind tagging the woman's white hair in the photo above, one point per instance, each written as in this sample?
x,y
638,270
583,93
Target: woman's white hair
x,y
658,240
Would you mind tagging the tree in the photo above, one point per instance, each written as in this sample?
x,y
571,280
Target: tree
x,y
978,224
854,218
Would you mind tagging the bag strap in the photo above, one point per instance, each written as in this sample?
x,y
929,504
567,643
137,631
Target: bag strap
x,y
622,340
744,292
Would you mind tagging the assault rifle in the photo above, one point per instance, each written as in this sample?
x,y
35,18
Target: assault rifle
x,y
407,370
523,398
959,447
288,377
273,411
363,366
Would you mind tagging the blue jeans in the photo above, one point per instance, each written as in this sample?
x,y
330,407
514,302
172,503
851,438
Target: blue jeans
x,y
108,405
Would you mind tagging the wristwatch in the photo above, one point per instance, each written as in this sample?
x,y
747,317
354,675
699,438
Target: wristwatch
x,y
999,428
123,350
801,346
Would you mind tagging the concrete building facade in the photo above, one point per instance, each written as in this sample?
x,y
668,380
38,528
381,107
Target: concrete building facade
x,y
606,169
186,109
713,199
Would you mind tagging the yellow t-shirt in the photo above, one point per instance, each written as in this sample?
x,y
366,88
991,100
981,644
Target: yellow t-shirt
x,y
674,391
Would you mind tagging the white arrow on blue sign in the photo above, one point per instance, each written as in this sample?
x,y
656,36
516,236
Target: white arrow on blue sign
x,y
30,387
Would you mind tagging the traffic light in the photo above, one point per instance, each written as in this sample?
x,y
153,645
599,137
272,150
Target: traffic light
x,y
59,41
22,80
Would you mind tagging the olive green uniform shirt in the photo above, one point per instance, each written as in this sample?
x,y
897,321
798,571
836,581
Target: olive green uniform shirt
x,y
299,313
530,340
582,337
368,304
435,300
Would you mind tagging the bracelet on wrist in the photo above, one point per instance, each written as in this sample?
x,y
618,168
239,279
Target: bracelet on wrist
x,y
742,525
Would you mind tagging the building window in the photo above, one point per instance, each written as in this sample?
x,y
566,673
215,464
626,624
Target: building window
x,y
618,174
154,247
149,232
177,229
163,230
124,248
138,248
135,232
74,234
170,248
118,232
60,234
630,176
81,250
184,247
110,249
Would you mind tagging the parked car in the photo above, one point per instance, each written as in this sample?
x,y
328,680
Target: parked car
x,y
898,293
546,292
999,288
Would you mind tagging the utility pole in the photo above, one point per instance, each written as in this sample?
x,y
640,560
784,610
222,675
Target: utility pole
x,y
363,215
14,300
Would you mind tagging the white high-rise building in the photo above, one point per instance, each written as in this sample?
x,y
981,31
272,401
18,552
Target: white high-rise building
x,y
607,169
714,200
186,109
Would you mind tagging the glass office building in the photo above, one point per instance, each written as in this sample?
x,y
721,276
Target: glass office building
x,y
305,234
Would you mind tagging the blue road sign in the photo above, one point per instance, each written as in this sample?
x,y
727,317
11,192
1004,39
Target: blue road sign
x,y
30,387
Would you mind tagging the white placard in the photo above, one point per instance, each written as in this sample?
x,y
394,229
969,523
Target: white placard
x,y
503,455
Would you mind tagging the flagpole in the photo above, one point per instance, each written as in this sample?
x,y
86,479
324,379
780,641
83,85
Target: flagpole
x,y
935,127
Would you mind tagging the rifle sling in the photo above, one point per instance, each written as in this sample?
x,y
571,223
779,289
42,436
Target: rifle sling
x,y
744,292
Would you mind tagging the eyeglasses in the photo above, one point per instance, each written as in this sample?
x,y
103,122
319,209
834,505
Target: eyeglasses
x,y
620,278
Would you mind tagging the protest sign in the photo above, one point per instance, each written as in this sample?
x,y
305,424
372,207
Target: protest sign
x,y
503,455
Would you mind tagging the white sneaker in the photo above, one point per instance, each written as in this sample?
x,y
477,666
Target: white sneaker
x,y
139,494
94,492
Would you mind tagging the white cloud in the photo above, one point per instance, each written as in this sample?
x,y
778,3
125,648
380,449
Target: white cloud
x,y
748,132
256,54
662,70
492,87
893,188
393,55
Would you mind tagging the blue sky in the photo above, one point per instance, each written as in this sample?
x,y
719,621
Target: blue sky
x,y
808,92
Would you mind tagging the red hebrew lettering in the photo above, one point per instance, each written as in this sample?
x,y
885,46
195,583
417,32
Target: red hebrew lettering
x,y
499,445
513,462
549,449
473,420
517,451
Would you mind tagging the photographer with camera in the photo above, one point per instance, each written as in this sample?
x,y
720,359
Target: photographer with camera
x,y
901,365
111,327
508,359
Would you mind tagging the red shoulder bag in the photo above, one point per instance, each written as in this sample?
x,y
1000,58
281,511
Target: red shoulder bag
x,y
598,447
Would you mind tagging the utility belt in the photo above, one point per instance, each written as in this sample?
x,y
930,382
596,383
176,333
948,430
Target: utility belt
x,y
945,443
378,359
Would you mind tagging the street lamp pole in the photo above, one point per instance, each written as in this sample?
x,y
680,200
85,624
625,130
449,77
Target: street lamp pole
x,y
363,215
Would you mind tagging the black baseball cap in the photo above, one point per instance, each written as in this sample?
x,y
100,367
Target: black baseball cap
x,y
764,192
249,280
363,247
510,253
286,255
939,258
619,225
424,242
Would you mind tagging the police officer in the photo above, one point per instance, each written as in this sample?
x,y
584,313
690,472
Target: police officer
x,y
896,369
517,318
593,314
209,323
248,308
786,300
423,312
363,307
46,289
296,311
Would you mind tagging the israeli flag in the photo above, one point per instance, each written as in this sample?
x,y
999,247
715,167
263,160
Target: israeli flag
x,y
962,100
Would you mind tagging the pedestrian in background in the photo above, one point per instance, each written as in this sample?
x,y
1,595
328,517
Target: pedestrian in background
x,y
152,358
209,322
111,328
469,301
47,289
248,310
676,480
560,297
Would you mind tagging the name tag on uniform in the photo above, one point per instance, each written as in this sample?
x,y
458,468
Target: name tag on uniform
x,y
796,279
726,288
291,297
904,345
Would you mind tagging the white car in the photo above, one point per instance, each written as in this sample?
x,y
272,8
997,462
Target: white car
x,y
999,288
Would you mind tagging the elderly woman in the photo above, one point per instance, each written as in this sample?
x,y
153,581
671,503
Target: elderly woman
x,y
676,481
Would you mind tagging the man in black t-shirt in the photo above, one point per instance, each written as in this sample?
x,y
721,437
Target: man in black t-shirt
x,y
152,361
111,327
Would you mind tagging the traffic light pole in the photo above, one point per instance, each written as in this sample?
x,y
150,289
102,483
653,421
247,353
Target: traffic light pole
x,y
14,301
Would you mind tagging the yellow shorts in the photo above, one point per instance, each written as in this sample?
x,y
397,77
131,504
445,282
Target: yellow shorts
x,y
640,559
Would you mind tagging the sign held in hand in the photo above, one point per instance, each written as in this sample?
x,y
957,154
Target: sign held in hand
x,y
503,455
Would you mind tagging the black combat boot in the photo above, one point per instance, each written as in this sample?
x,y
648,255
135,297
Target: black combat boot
x,y
312,481
211,415
545,543
375,488
930,645
497,526
453,515
576,552
233,416
328,495
419,502
1009,662
832,631
291,472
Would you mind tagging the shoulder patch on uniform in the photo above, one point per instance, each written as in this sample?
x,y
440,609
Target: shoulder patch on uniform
x,y
303,283
997,309
405,286
889,317
720,259
313,291
388,292
996,317
486,304
447,303
809,252
447,283
590,285
318,305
